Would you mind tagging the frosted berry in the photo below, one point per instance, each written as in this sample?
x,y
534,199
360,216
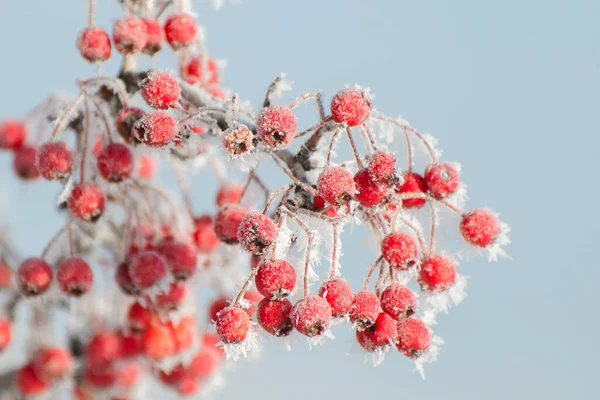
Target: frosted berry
x,y
311,316
275,279
147,268
34,276
218,305
131,344
229,193
54,161
12,134
155,36
129,34
441,180
239,140
253,297
158,342
29,383
53,362
181,258
99,377
399,249
24,163
276,126
124,280
204,363
160,90
181,31
86,202
146,166
350,106
398,301
103,348
412,183
383,333
382,168
204,235
480,227
256,232
5,333
126,119
194,72
364,309
227,222
274,316
233,325
184,333
74,277
368,193
94,44
139,317
336,186
115,162
414,337
339,295
437,273
156,129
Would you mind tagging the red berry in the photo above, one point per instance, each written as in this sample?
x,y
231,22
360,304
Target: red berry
x,y
441,180
238,140
399,250
86,202
350,106
383,333
146,167
103,348
74,277
12,134
480,227
274,316
437,273
139,317
53,362
181,30
233,325
311,316
5,333
129,34
187,385
154,36
414,337
34,276
160,90
147,269
369,194
276,279
126,119
276,126
24,160
336,186
131,345
29,383
115,162
216,307
229,193
339,295
184,333
172,299
156,129
194,71
256,232
227,222
413,183
54,161
364,309
252,296
158,342
382,168
124,281
205,238
398,301
172,377
204,363
94,44
181,257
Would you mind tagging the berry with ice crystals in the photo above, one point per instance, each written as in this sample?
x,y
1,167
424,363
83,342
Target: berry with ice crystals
x,y
94,44
233,325
24,163
274,316
275,279
383,333
238,140
256,232
129,35
336,186
382,168
276,126
350,106
155,129
311,316
160,90
229,193
12,134
74,277
204,235
437,273
181,258
115,162
155,36
86,202
338,294
398,301
480,227
180,31
364,309
441,180
34,276
368,193
54,161
399,250
412,183
194,71
227,222
147,269
414,337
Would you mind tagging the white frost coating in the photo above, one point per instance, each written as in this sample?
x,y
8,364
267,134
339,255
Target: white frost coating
x,y
284,240
249,345
435,303
217,4
432,143
430,356
281,86
459,198
66,192
378,356
321,339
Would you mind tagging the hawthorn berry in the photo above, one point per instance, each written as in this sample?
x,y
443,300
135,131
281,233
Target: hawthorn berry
x,y
256,232
239,140
74,277
480,227
364,309
125,120
311,316
229,193
24,162
216,307
5,333
99,377
336,186
147,269
204,235
34,276
115,162
414,337
412,183
276,126
12,134
146,167
368,193
160,90
158,341
183,333
103,348
124,280
173,376
350,106
274,316
204,363
338,294
398,301
181,31
233,325
131,344
86,202
399,249
139,317
195,71
54,161
129,34
441,180
93,44
382,333
29,383
438,273
227,222
275,279
52,362
382,168
156,129
155,36
172,299
181,258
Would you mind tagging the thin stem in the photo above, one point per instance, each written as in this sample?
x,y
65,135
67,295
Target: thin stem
x,y
91,13
405,129
285,170
369,133
163,9
116,81
54,240
240,294
354,150
64,117
270,90
370,273
308,96
274,196
314,127
274,245
380,279
433,223
253,177
309,246
416,231
103,118
332,144
334,251
71,241
84,143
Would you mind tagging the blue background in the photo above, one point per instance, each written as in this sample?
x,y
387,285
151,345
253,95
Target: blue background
x,y
511,89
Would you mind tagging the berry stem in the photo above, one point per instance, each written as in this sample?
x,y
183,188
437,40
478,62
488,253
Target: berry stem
x,y
416,231
354,149
71,241
309,96
380,279
309,245
433,224
103,117
334,251
240,294
285,170
253,177
274,245
412,130
163,9
84,143
270,90
117,83
369,134
54,240
314,127
274,196
65,116
370,273
91,13
334,138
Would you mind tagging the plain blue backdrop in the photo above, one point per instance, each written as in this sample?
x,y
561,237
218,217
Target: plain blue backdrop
x,y
510,88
